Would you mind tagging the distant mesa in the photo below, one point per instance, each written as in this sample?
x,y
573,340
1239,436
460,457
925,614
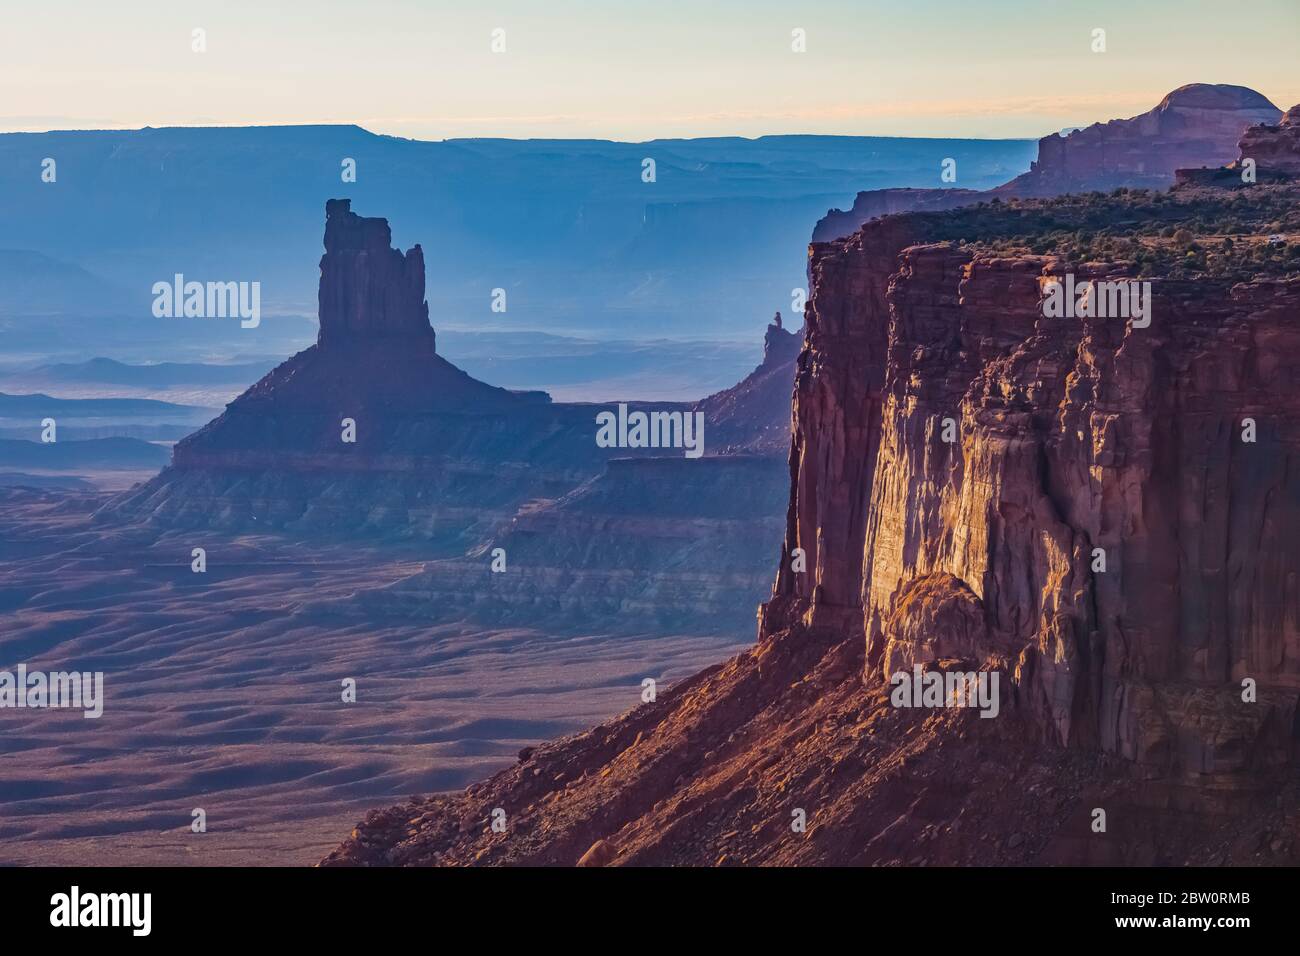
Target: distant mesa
x,y
32,283
437,453
1195,125
103,454
1215,98
25,482
584,245
1198,125
594,535
106,371
33,407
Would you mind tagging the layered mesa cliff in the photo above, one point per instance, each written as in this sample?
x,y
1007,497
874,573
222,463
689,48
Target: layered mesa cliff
x,y
1099,511
370,431
651,544
1197,125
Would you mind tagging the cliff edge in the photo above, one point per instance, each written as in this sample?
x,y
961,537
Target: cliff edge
x,y
1094,516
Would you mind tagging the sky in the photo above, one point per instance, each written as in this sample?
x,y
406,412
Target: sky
x,y
628,69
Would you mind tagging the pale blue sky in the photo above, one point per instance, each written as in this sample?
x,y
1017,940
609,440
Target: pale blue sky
x,y
627,69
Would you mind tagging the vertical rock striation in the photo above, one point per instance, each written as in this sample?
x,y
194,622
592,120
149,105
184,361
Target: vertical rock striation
x,y
1102,512
1070,436
368,290
836,432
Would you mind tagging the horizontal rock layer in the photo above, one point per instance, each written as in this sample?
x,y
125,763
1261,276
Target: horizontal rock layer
x,y
654,544
1120,688
371,432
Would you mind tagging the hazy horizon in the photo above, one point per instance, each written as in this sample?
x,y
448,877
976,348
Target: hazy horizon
x,y
650,434
522,139
1009,69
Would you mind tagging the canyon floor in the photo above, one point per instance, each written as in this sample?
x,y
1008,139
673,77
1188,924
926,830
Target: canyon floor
x,y
223,690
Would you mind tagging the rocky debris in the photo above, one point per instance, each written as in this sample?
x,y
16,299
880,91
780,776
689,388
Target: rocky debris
x,y
1123,686
715,771
602,853
1197,125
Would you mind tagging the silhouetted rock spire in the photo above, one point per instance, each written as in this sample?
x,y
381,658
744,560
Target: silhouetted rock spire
x,y
367,288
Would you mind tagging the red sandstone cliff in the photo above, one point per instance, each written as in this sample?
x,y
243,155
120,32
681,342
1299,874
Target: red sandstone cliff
x,y
1073,436
1122,688
1275,148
